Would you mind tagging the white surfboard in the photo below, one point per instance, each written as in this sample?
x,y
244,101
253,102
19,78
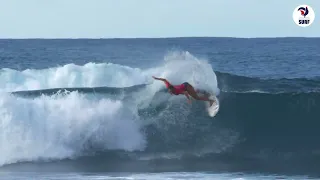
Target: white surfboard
x,y
213,110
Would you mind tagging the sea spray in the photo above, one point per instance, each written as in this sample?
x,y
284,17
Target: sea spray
x,y
61,126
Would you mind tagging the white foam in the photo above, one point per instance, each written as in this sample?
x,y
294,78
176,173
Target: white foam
x,y
71,75
55,127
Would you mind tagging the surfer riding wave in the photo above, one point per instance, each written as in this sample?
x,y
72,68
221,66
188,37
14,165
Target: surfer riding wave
x,y
186,89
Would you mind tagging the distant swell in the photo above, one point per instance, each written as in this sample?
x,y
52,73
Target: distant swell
x,y
230,82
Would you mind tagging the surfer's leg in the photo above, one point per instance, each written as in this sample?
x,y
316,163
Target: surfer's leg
x,y
194,94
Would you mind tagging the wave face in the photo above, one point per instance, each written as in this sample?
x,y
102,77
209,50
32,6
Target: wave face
x,y
129,117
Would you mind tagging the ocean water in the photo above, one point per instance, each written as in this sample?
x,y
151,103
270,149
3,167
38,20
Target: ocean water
x,y
89,109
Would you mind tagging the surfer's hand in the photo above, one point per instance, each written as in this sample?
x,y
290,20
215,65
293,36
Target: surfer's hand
x,y
189,101
156,78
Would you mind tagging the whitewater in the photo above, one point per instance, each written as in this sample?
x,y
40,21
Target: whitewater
x,y
68,124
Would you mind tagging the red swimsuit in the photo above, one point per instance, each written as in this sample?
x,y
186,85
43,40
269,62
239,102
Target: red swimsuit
x,y
178,89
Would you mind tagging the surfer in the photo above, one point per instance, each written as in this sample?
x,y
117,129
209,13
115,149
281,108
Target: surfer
x,y
186,89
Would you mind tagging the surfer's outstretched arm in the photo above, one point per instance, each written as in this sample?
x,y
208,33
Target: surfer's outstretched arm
x,y
161,79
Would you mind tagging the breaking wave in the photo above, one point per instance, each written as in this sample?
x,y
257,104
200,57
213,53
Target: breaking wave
x,y
128,116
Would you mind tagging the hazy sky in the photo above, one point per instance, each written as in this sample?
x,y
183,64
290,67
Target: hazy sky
x,y
153,18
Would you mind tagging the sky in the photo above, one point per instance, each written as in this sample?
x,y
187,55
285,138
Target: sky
x,y
153,18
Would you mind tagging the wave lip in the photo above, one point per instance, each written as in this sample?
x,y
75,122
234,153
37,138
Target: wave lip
x,y
71,75
195,71
178,67
84,90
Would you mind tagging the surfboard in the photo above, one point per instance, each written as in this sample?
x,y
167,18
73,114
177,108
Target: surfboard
x,y
213,110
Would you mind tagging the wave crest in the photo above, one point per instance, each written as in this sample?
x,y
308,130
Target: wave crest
x,y
71,75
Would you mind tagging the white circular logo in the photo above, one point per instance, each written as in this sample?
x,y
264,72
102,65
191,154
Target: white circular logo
x,y
303,15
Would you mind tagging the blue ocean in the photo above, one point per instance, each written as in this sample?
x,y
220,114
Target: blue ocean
x,y
90,109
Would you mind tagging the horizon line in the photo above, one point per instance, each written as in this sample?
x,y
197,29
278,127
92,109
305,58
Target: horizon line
x,y
173,37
